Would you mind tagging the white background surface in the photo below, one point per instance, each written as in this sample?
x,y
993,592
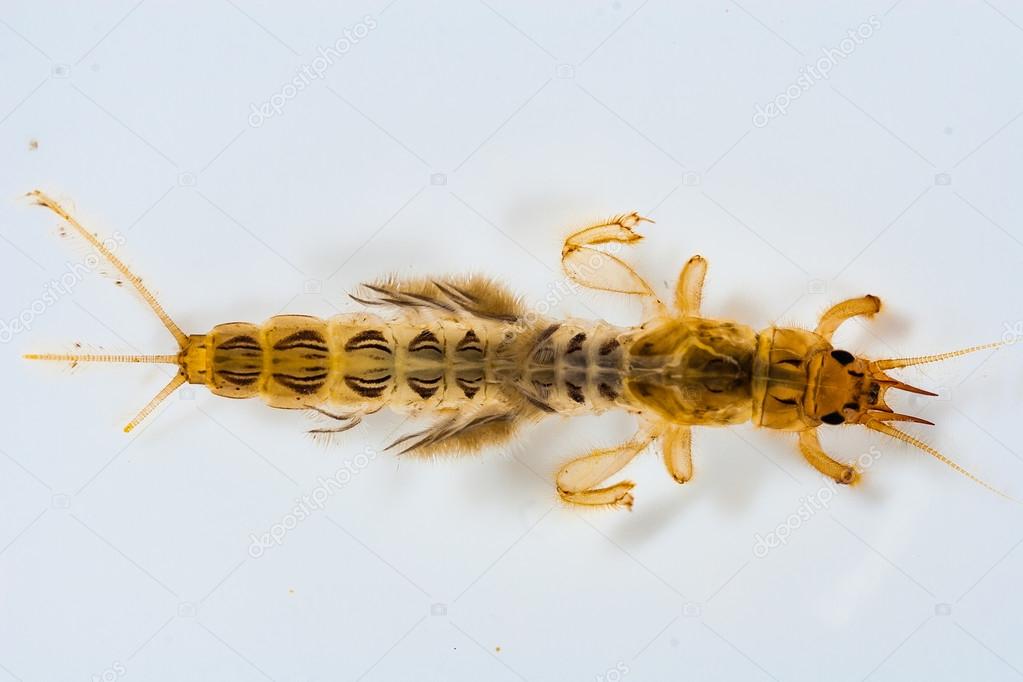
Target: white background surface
x,y
470,135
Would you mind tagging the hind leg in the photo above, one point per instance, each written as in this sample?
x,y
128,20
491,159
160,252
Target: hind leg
x,y
840,312
597,269
577,481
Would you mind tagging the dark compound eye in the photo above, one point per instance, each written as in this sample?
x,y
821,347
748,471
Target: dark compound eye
x,y
844,357
833,418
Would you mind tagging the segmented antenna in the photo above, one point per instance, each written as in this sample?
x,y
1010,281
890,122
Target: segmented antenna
x,y
924,359
889,430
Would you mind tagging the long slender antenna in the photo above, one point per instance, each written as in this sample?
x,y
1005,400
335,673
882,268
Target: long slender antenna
x,y
44,200
924,359
906,438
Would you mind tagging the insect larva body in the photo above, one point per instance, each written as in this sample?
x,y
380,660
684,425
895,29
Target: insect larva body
x,y
353,362
465,353
359,363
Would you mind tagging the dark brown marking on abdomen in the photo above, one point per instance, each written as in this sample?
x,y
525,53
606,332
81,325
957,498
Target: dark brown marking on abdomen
x,y
304,338
369,339
303,385
368,387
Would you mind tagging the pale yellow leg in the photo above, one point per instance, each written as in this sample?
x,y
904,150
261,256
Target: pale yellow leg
x,y
578,480
840,312
689,290
677,447
810,446
601,270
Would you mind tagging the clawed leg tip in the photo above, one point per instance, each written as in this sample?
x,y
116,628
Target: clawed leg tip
x,y
848,477
633,219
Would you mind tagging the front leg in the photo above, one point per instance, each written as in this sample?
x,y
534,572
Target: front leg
x,y
597,269
578,480
840,312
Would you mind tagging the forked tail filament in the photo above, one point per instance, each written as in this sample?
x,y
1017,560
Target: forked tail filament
x,y
182,339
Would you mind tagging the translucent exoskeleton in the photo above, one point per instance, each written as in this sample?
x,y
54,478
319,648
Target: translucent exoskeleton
x,y
463,353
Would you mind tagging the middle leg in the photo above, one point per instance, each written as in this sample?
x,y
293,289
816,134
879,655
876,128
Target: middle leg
x,y
677,447
689,290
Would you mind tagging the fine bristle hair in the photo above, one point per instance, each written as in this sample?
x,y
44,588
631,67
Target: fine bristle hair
x,y
325,435
470,442
464,434
474,295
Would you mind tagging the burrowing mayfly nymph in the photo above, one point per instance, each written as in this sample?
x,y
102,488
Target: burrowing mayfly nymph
x,y
463,352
